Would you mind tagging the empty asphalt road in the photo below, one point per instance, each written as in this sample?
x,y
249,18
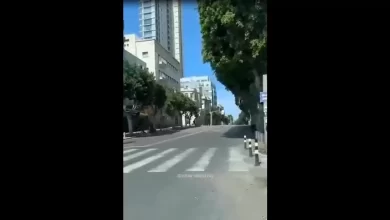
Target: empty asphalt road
x,y
195,174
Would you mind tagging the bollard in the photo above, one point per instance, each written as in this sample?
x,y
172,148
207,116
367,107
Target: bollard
x,y
250,148
244,141
124,135
257,154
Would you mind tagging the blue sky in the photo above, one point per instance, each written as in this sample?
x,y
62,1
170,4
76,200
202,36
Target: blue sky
x,y
192,49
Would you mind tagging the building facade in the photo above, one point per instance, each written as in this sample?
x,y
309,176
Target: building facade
x,y
161,20
203,84
133,60
195,96
158,60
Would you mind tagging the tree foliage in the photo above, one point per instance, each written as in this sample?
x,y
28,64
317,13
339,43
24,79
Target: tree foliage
x,y
230,117
159,97
234,37
138,85
243,119
190,108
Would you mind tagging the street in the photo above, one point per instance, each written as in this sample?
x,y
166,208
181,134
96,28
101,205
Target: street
x,y
201,173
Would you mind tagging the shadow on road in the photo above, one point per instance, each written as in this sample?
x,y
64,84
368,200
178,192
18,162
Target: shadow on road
x,y
239,132
157,133
128,141
163,132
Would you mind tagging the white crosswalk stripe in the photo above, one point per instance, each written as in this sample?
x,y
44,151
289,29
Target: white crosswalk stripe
x,y
138,154
201,163
172,162
204,161
128,151
131,167
236,161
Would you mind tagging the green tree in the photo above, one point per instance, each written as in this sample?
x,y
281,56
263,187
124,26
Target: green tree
x,y
139,85
178,102
157,104
234,43
242,119
230,118
190,108
169,105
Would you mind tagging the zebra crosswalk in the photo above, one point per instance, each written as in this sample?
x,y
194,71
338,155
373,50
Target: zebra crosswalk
x,y
194,159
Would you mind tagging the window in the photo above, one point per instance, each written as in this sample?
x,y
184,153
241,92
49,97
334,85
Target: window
x,y
147,4
147,15
147,9
147,37
148,27
147,34
147,21
145,54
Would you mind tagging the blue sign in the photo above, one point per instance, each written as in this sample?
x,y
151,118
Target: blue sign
x,y
263,96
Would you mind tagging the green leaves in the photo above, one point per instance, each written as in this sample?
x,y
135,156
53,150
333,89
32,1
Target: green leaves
x,y
160,96
190,108
138,84
234,42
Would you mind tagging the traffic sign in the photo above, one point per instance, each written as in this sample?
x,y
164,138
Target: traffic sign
x,y
263,96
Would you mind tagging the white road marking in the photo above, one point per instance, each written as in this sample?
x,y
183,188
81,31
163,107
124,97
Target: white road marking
x,y
172,139
236,160
128,151
172,162
204,161
132,156
131,167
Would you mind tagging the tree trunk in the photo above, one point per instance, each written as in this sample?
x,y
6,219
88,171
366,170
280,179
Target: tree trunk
x,y
129,123
259,88
152,119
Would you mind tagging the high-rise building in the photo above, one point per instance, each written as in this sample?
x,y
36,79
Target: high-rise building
x,y
203,84
161,20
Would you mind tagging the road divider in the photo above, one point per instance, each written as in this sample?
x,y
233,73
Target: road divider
x,y
257,154
250,149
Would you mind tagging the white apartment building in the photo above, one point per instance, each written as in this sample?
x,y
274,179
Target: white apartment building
x,y
158,60
133,60
207,87
161,20
194,95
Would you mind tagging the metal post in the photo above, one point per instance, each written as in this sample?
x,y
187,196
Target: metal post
x,y
250,148
244,141
257,154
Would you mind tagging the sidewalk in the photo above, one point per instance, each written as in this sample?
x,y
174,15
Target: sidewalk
x,y
168,133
